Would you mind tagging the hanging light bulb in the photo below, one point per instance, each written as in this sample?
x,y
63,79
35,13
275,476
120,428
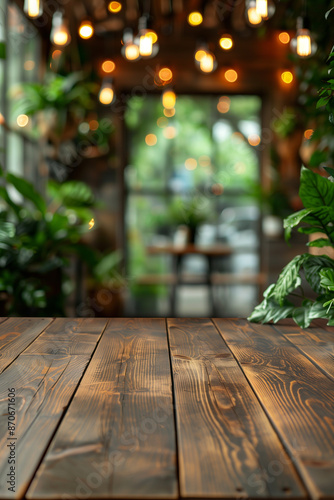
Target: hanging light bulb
x,y
253,18
106,94
60,34
130,49
303,44
226,42
168,99
148,46
261,7
205,59
86,30
33,8
195,18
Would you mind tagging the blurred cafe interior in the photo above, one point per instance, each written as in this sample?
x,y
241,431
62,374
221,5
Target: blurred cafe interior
x,y
150,150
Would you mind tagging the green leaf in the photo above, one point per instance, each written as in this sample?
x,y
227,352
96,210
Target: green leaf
x,y
320,243
317,158
27,190
328,13
312,268
270,311
295,218
289,279
327,279
330,171
301,315
315,190
322,101
2,50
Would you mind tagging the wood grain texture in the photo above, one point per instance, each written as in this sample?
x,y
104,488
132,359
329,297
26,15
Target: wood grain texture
x,y
316,343
298,398
227,446
16,334
69,336
43,387
117,439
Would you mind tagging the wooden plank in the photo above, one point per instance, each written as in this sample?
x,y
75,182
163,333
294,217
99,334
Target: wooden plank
x,y
227,447
69,336
297,397
16,334
117,438
316,343
43,388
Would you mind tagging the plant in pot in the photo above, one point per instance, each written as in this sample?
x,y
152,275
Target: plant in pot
x,y
38,238
191,213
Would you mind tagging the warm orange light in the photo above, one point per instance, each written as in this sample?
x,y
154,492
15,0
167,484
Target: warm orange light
x,y
91,224
151,139
304,43
115,7
223,105
93,124
145,45
190,163
168,99
86,30
226,42
61,37
152,34
29,65
131,51
238,136
199,54
108,66
284,37
33,8
22,120
56,53
162,122
195,18
2,119
261,8
253,16
308,133
165,74
287,77
254,139
207,63
231,75
169,132
106,95
169,112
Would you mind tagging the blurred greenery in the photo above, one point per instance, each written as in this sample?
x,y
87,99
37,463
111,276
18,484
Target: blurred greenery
x,y
38,238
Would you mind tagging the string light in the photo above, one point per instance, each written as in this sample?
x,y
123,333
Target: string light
x,y
151,139
226,42
165,74
287,77
106,95
231,75
33,8
115,7
284,37
148,46
205,59
60,34
130,49
86,30
303,44
253,18
261,7
169,112
22,120
108,66
168,99
195,18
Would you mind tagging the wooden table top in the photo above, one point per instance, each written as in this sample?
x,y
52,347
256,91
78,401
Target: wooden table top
x,y
217,250
165,409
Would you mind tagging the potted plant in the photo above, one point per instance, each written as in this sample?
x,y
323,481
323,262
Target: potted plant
x,y
190,213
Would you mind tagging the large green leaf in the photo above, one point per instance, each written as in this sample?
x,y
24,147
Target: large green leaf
x,y
320,243
312,269
327,279
289,279
315,190
269,310
301,316
296,218
27,190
